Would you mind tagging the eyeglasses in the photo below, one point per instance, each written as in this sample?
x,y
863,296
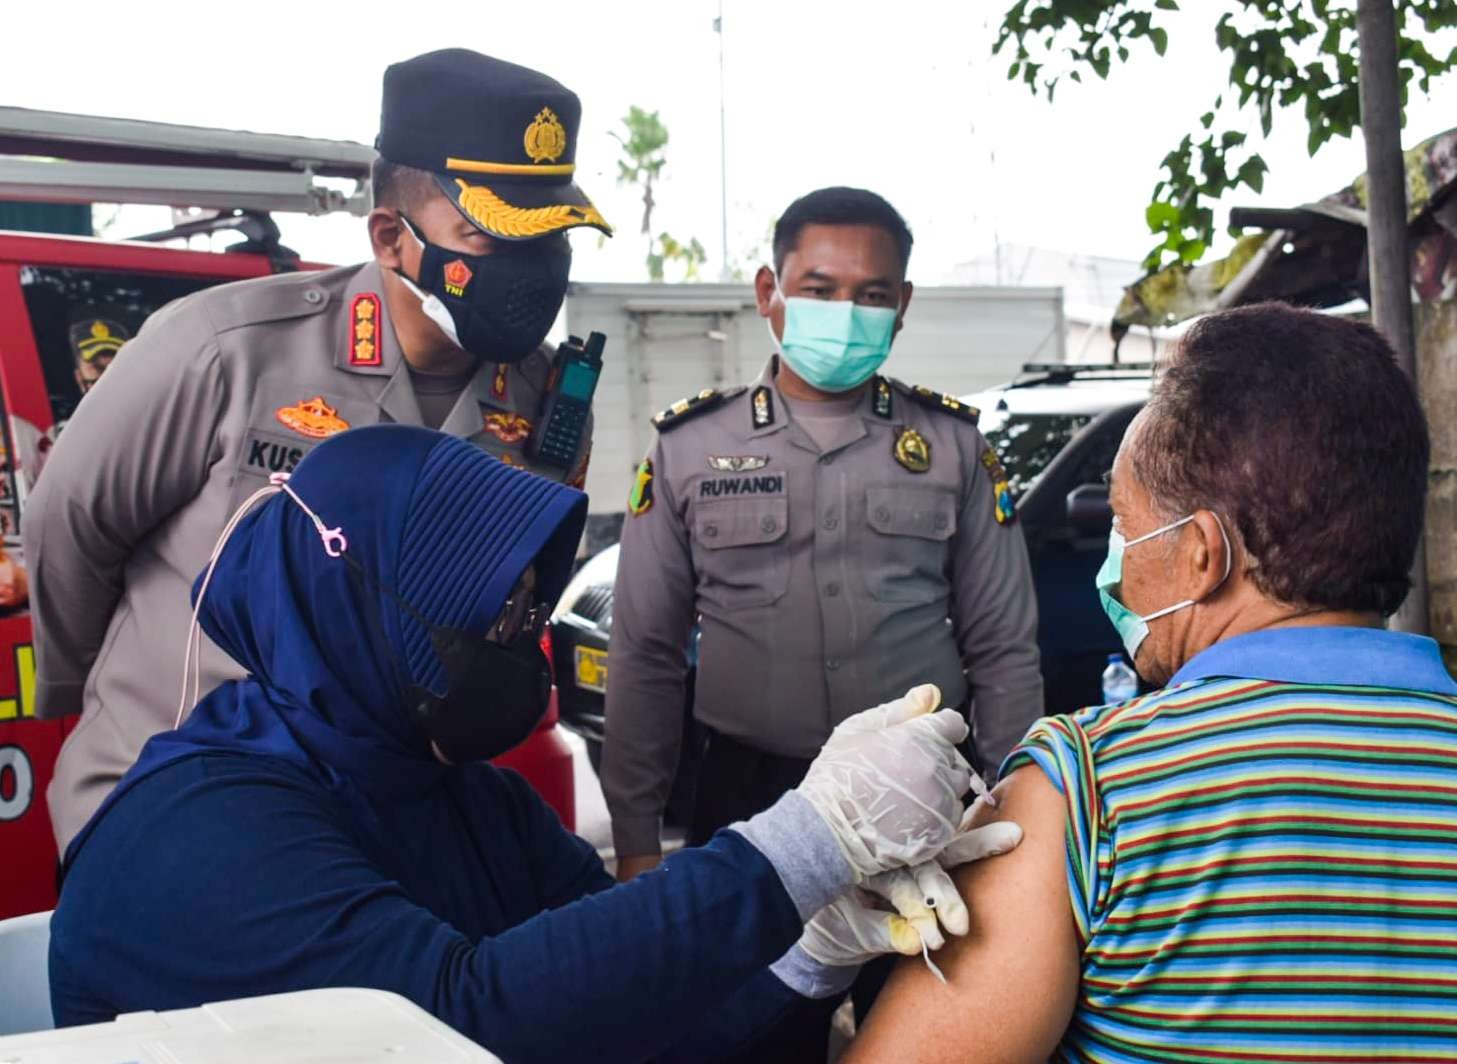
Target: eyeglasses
x,y
521,615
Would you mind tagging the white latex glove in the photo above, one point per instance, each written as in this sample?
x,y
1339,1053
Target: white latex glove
x,y
853,930
889,782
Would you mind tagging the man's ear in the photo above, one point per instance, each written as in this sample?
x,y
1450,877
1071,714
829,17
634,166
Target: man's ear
x,y
900,318
386,235
764,290
1212,559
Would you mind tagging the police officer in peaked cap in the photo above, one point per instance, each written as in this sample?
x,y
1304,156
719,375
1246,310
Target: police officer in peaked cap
x,y
474,195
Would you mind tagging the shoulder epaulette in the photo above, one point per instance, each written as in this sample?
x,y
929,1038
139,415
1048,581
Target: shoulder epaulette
x,y
685,409
937,401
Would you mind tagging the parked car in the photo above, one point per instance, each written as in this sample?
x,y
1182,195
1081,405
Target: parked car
x,y
1056,428
43,280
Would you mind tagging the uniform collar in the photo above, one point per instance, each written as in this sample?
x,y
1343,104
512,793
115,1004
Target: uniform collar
x,y
397,399
782,418
465,418
1359,657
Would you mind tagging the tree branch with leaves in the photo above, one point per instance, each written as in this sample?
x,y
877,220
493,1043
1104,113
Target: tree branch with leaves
x,y
644,140
1282,53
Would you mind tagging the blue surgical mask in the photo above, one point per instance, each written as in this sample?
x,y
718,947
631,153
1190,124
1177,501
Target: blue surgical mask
x,y
835,345
1132,628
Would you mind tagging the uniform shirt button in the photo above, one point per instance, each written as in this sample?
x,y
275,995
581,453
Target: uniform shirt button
x,y
313,295
832,589
710,531
940,522
831,522
832,664
826,459
769,525
882,513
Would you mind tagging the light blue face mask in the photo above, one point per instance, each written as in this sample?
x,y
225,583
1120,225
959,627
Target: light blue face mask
x,y
1132,628
835,345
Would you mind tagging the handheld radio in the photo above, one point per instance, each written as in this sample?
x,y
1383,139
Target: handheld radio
x,y
567,402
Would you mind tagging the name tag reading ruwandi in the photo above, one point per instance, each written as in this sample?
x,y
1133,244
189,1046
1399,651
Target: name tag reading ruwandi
x,y
764,484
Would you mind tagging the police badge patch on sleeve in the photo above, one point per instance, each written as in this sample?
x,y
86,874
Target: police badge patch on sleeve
x,y
640,501
1005,505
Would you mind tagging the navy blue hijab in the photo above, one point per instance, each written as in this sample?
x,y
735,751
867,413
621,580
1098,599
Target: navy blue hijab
x,y
330,652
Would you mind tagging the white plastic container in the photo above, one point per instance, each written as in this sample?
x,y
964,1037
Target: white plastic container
x,y
330,1026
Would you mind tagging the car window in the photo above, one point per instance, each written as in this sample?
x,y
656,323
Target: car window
x,y
1027,444
1096,459
56,298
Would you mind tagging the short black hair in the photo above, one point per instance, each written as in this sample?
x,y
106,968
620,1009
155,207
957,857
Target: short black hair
x,y
1300,429
402,187
840,206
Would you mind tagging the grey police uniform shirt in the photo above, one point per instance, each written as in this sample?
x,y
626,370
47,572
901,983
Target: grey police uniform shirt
x,y
216,392
822,584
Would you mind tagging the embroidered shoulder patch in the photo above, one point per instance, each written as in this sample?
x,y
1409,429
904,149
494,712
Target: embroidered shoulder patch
x,y
1005,506
640,501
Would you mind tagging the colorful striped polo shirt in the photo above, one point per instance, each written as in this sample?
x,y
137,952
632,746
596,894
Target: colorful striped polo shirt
x,y
1262,856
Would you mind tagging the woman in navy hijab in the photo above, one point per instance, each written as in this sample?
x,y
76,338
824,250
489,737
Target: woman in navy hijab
x,y
328,820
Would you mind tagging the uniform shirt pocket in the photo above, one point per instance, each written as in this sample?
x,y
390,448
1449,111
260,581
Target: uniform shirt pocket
x,y
908,534
739,550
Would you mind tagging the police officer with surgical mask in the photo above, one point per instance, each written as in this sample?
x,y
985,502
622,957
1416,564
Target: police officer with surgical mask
x,y
835,535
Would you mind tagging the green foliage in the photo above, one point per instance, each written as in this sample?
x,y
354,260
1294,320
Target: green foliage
x,y
643,157
666,248
1282,53
643,143
642,147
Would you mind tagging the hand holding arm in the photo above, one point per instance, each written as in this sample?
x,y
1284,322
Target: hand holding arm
x,y
1012,980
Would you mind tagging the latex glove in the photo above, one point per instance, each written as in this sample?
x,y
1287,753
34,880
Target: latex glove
x,y
854,929
889,782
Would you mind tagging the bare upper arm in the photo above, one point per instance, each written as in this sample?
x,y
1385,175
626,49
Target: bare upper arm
x,y
1012,981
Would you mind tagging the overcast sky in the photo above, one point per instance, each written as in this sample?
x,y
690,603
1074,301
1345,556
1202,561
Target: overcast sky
x,y
904,98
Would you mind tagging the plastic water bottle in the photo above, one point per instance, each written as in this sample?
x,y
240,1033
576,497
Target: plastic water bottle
x,y
1120,683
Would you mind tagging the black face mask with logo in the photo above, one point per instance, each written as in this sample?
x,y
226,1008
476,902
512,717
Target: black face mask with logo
x,y
500,306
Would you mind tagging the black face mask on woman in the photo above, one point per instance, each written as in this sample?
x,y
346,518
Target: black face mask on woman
x,y
498,307
497,694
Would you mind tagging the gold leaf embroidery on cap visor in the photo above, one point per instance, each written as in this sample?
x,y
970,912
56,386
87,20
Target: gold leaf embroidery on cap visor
x,y
497,216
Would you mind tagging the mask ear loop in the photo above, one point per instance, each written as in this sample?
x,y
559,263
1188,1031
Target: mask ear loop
x,y
335,544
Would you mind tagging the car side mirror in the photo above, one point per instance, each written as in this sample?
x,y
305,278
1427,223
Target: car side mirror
x,y
1088,510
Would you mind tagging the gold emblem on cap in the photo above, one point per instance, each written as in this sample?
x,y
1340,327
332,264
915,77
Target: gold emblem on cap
x,y
912,451
546,137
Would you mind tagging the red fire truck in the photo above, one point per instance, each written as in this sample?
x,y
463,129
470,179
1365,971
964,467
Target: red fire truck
x,y
235,179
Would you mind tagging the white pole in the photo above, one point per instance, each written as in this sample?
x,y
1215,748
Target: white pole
x,y
724,274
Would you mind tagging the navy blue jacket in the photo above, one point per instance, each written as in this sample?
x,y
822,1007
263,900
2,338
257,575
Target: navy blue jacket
x,y
225,875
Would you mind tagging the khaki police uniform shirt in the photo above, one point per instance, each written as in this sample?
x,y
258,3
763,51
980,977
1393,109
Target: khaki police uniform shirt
x,y
823,584
216,392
